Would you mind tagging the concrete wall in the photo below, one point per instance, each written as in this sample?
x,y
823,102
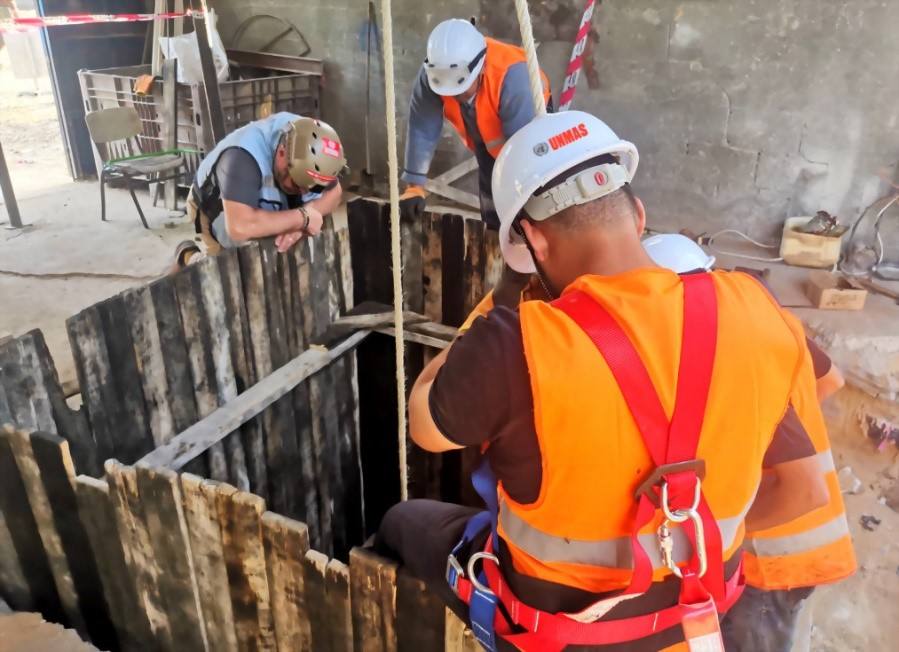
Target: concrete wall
x,y
744,112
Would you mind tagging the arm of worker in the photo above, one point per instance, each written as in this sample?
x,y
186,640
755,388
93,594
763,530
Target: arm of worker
x,y
516,102
828,379
792,484
323,203
451,405
329,199
239,179
423,131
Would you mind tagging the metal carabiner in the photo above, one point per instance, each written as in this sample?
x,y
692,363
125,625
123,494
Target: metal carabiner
x,y
680,515
666,544
473,576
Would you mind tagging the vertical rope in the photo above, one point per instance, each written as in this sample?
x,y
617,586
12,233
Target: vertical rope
x,y
530,50
390,98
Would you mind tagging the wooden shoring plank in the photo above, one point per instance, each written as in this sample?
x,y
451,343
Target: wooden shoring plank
x,y
14,587
369,226
346,405
109,380
160,494
493,267
198,438
240,517
432,267
39,593
52,473
475,264
138,551
323,391
459,638
303,455
420,615
95,510
281,430
202,367
144,329
47,528
251,433
373,598
33,399
337,585
201,512
286,542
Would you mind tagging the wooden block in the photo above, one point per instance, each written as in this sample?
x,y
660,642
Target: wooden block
x,y
475,266
829,292
46,526
369,226
344,263
96,513
138,551
286,542
28,549
201,513
160,494
315,566
32,399
373,598
412,239
240,515
55,473
432,267
420,615
328,602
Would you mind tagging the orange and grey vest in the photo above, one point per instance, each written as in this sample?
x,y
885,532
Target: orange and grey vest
x,y
577,532
499,58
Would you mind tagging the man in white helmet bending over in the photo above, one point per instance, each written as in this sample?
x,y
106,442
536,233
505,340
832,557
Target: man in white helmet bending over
x,y
273,177
481,87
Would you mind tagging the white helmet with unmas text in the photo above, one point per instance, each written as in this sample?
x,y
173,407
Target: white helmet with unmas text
x,y
542,150
456,52
677,253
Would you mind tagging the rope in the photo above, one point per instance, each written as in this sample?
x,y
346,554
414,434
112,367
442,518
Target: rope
x,y
390,100
530,50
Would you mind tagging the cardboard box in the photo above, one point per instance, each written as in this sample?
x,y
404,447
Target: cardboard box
x,y
805,249
829,292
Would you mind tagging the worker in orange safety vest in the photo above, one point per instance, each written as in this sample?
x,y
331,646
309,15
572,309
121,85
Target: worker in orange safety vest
x,y
624,460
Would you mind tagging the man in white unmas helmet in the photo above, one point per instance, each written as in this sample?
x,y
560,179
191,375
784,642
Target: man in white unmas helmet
x,y
572,402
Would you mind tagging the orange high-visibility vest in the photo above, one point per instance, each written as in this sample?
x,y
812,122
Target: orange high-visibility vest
x,y
815,548
497,61
577,532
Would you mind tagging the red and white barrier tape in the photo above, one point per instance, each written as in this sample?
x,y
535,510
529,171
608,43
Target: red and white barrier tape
x,y
577,58
29,24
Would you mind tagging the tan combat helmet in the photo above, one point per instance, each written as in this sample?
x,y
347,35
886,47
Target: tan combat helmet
x,y
315,155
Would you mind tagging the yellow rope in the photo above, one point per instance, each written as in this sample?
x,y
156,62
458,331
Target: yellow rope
x,y
393,165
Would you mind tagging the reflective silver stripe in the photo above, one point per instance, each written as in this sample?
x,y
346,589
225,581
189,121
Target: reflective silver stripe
x,y
792,544
495,143
825,461
609,553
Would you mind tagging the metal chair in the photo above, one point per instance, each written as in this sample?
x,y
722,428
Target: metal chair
x,y
115,134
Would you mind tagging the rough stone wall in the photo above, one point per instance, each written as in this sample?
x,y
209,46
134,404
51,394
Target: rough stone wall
x,y
744,112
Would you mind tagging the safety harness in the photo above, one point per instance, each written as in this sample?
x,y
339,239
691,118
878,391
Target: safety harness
x,y
674,487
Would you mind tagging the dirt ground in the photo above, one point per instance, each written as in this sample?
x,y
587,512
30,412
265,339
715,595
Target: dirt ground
x,y
67,259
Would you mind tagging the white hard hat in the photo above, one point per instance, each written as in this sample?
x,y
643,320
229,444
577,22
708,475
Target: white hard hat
x,y
456,53
677,253
542,150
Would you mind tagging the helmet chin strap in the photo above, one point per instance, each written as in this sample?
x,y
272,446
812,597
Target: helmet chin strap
x,y
540,274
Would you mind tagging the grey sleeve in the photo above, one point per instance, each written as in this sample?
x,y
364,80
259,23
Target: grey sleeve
x,y
516,104
238,177
423,133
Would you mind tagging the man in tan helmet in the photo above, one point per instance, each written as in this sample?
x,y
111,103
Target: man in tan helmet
x,y
273,177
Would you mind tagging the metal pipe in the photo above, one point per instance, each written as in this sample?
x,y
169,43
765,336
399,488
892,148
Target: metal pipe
x,y
12,207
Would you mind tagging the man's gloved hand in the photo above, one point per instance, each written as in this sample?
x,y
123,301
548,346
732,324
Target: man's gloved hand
x,y
412,202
